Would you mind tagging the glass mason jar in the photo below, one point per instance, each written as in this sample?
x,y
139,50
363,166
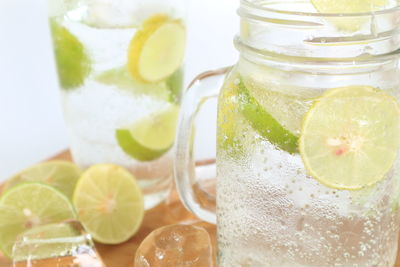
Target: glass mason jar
x,y
120,70
308,137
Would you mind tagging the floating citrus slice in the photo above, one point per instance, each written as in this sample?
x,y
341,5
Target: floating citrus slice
x,y
350,137
28,205
109,203
348,24
157,50
151,137
62,175
73,63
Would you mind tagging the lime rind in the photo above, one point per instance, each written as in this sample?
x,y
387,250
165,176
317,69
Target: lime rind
x,y
109,203
21,209
350,137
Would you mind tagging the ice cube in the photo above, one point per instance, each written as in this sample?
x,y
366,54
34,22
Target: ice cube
x,y
64,244
175,245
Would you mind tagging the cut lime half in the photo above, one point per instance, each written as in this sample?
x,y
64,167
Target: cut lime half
x,y
350,137
151,137
109,203
29,205
157,50
62,175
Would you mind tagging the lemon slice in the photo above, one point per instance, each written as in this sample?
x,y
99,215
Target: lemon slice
x,y
264,123
62,175
109,203
28,205
73,63
151,137
349,24
157,50
350,137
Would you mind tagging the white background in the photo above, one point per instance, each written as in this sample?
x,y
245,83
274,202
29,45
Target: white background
x,y
31,121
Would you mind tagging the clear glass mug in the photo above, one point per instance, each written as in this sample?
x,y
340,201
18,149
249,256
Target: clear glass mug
x,y
120,69
308,137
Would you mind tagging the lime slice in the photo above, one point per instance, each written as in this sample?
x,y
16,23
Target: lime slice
x,y
350,24
151,137
157,50
47,241
28,205
266,125
175,85
109,203
73,63
350,137
120,78
62,175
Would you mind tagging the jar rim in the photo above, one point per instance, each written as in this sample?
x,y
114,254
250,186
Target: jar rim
x,y
251,4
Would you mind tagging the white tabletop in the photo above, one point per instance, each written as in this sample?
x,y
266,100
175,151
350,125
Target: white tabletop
x,y
31,121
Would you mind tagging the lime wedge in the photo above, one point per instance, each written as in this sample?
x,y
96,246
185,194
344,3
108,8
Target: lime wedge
x,y
28,205
151,137
109,203
266,125
62,175
47,241
120,78
72,61
350,137
157,50
175,85
350,24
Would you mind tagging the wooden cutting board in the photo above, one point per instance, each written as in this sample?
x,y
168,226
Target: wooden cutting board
x,y
169,212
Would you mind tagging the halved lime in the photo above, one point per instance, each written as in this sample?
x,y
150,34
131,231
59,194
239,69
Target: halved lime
x,y
62,175
348,24
28,205
73,63
109,203
151,137
48,241
265,124
350,137
157,50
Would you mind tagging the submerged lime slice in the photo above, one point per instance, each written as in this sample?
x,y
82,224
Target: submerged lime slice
x,y
264,123
62,175
151,137
157,50
175,85
349,24
28,205
350,137
73,63
109,203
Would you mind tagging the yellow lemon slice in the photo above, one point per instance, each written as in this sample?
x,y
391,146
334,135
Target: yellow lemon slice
x,y
157,50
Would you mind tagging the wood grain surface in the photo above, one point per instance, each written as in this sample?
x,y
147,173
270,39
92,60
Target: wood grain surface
x,y
169,212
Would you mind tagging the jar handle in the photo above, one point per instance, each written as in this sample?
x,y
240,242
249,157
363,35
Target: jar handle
x,y
205,86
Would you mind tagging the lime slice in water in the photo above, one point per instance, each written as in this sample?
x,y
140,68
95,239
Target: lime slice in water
x,y
151,137
62,175
28,205
349,24
350,137
157,50
109,203
265,124
73,63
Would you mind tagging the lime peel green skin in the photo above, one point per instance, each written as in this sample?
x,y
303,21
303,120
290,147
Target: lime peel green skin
x,y
72,61
266,125
136,150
